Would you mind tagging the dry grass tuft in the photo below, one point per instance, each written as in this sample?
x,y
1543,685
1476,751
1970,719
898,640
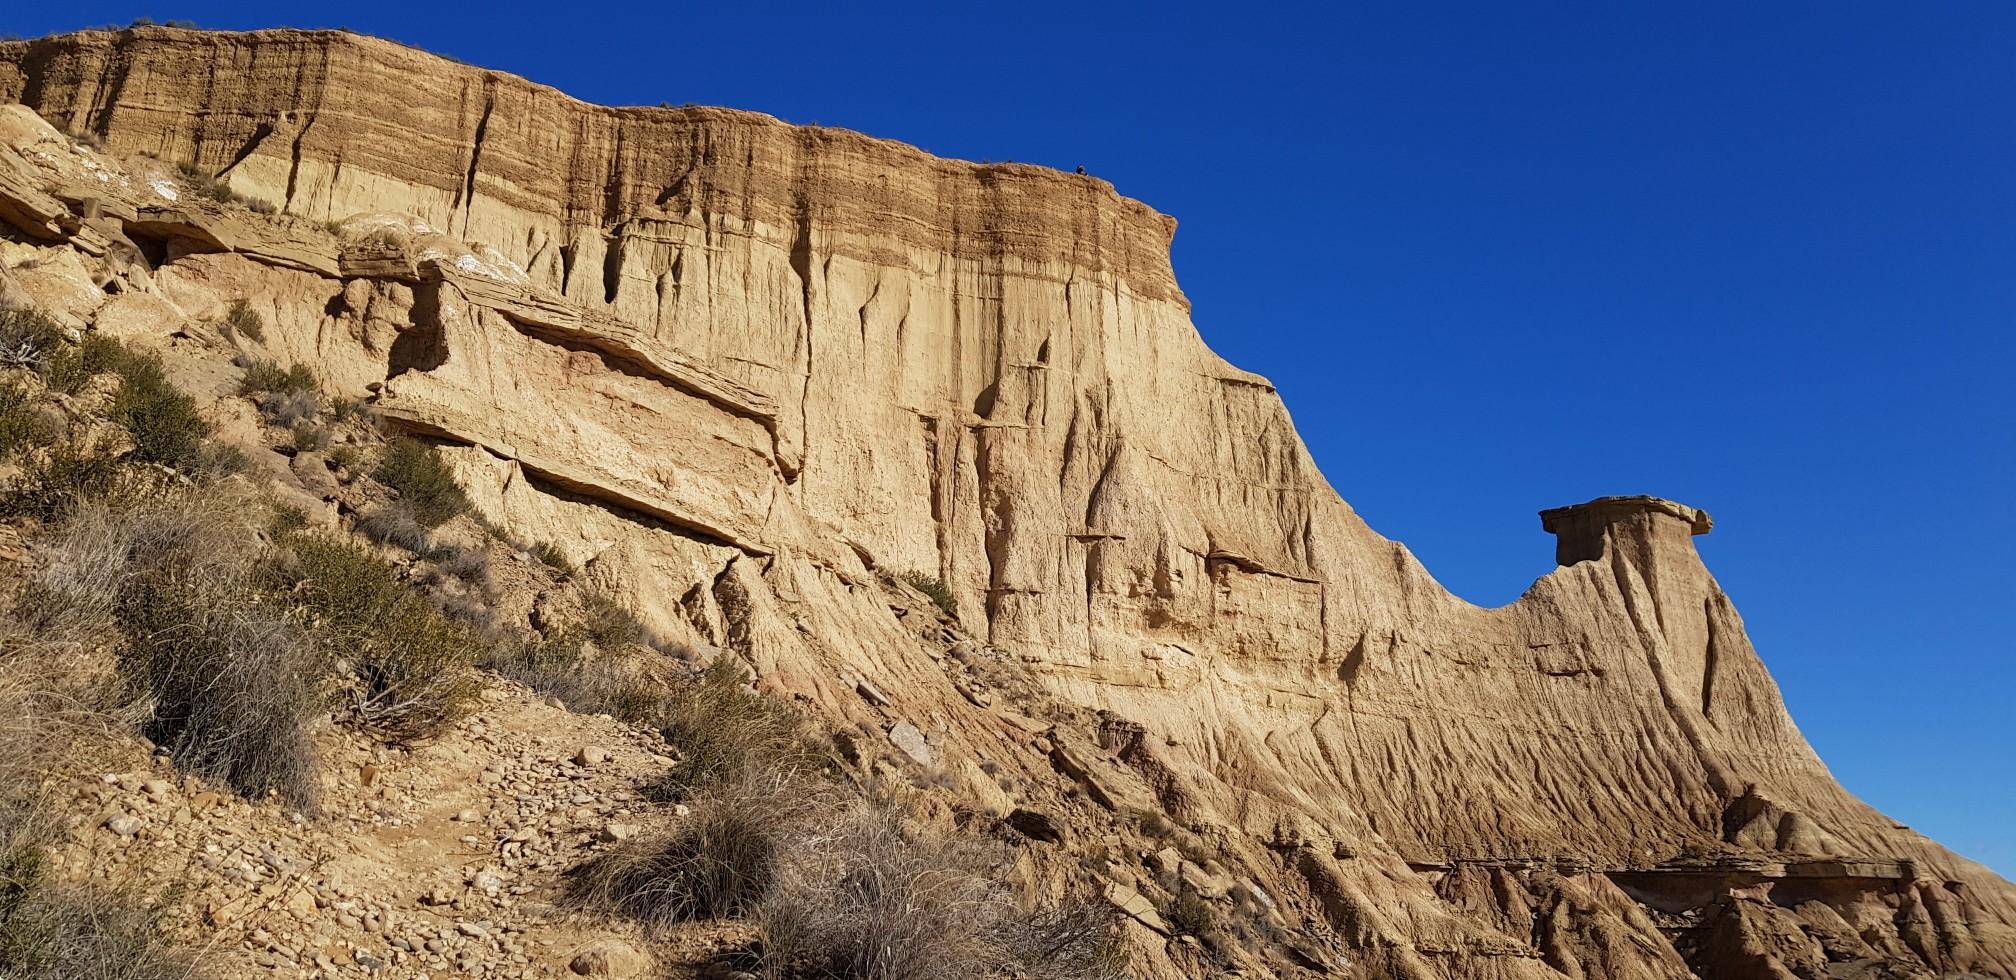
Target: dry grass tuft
x,y
719,864
726,733
876,898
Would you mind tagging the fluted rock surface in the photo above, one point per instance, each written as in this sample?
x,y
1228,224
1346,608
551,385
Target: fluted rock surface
x,y
736,368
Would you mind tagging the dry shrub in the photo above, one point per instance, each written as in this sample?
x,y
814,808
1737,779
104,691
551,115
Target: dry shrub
x,y
245,321
46,727
76,932
726,732
875,898
718,864
471,565
412,665
393,524
558,666
229,681
289,408
192,535
57,478
607,624
27,336
234,686
550,555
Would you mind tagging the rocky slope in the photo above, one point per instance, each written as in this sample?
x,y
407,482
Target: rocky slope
x,y
745,372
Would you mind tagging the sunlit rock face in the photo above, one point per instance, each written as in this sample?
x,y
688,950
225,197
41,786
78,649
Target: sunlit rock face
x,y
739,370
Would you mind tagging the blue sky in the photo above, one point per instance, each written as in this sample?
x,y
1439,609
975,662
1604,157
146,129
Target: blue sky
x,y
1754,257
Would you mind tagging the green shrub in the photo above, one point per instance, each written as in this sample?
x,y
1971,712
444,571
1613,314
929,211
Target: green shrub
x,y
162,420
27,336
345,457
607,624
69,367
245,321
936,590
725,732
550,555
262,375
411,664
55,480
22,423
424,480
309,437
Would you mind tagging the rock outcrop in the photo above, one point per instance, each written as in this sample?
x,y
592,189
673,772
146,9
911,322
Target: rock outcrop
x,y
745,371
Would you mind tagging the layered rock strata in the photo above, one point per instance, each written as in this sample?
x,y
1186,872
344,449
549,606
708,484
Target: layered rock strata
x,y
744,371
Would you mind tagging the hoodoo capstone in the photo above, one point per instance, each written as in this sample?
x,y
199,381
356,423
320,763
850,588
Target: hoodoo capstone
x,y
741,371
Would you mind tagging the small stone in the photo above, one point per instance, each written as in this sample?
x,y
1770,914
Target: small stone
x,y
591,755
124,824
471,929
906,737
608,958
612,833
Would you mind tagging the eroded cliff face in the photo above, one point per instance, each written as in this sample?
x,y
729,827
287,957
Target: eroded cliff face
x,y
743,371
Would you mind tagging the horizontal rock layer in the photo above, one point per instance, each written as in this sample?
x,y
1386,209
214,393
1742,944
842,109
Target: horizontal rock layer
x,y
737,367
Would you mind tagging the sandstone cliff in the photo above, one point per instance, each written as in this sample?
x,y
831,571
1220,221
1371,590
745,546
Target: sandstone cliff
x,y
743,371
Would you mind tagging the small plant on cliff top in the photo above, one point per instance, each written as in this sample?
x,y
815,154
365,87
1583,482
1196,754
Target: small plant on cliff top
x,y
266,376
245,321
426,484
936,590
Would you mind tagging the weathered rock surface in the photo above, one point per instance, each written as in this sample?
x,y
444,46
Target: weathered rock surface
x,y
743,371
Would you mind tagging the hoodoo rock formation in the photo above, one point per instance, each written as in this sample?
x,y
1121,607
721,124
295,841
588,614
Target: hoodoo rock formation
x,y
743,371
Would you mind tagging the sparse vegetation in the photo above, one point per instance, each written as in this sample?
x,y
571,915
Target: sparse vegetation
x,y
874,897
726,732
263,376
607,624
163,421
245,321
936,590
55,479
718,864
426,484
411,666
393,524
207,186
550,555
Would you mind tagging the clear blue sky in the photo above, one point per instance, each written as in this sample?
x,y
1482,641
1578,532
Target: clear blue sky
x,y
1762,261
